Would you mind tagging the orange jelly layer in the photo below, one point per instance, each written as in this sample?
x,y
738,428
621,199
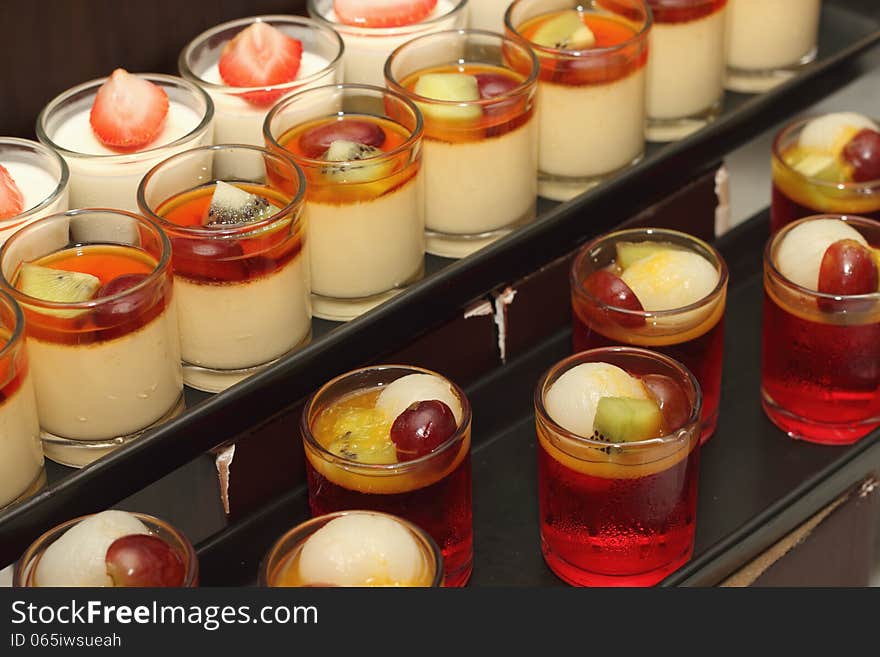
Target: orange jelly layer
x,y
498,117
616,54
13,367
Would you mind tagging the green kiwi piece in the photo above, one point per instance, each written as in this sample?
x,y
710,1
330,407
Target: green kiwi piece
x,y
565,32
57,285
349,170
624,419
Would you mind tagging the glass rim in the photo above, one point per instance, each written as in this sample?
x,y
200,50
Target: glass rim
x,y
187,73
162,264
678,436
523,87
322,520
16,337
777,148
640,36
400,30
167,80
63,181
410,143
583,253
782,279
21,573
371,469
234,231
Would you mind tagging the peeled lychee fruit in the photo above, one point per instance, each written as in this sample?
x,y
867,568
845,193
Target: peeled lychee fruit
x,y
405,391
799,256
671,279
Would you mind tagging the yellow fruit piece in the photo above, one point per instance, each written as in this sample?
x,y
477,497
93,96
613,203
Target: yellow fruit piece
x,y
361,434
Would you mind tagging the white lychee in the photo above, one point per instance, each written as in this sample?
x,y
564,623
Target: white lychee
x,y
405,391
671,279
831,132
799,256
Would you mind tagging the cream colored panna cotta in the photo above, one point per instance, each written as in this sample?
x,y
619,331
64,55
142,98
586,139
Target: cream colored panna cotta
x,y
487,14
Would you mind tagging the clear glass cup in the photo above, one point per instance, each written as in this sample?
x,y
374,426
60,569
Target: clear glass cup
x,y
591,102
619,514
25,568
243,294
239,112
42,178
693,335
367,48
769,41
287,548
432,491
100,177
366,217
820,377
107,369
462,213
21,453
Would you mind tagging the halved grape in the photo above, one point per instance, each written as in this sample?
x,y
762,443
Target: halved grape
x,y
144,560
216,259
110,313
671,398
422,428
610,290
495,84
863,153
315,142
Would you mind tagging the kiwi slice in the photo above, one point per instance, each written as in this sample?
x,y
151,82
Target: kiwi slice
x,y
629,253
566,31
57,285
231,205
453,87
364,449
625,419
817,165
348,154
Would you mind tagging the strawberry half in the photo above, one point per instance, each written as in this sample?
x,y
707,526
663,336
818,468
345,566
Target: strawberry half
x,y
382,13
260,56
129,112
11,198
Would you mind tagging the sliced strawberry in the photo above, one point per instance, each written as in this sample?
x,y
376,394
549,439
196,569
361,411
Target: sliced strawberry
x,y
260,56
382,13
11,199
129,112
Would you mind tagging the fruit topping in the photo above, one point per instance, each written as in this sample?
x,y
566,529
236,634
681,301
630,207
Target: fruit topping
x,y
453,88
382,13
315,142
848,268
625,420
422,428
129,112
232,206
11,198
492,85
671,279
572,399
630,252
862,152
671,398
78,557
405,391
57,285
361,549
566,31
143,560
799,256
363,435
111,312
816,165
610,290
830,133
260,56
350,152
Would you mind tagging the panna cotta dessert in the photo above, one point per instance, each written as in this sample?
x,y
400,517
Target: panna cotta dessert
x,y
113,130
476,92
768,41
828,163
354,549
33,183
591,99
686,66
247,65
21,454
487,14
240,267
109,549
360,149
372,29
96,289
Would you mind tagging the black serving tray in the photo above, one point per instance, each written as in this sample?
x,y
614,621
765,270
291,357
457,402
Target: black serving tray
x,y
848,47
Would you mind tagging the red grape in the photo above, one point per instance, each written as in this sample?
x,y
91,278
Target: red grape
x,y
847,268
315,142
113,312
863,153
671,398
495,84
421,428
610,290
217,259
143,560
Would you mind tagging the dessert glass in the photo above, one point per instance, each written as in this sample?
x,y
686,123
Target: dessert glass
x,y
25,567
100,177
768,41
21,454
686,66
618,514
820,380
463,213
591,102
287,548
367,48
242,290
433,491
796,195
107,369
41,175
366,218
